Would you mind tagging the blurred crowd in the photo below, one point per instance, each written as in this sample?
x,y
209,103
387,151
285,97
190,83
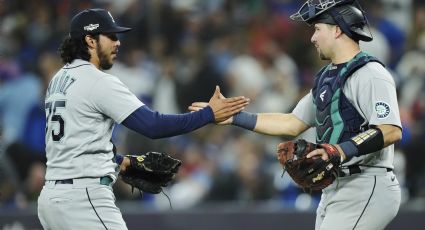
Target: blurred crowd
x,y
176,53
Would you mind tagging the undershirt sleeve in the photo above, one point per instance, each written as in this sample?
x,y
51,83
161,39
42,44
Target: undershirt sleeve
x,y
305,110
156,125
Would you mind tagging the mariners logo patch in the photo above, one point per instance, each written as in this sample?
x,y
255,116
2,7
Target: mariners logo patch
x,y
382,109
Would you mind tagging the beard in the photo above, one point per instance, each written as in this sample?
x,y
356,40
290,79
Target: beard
x,y
104,62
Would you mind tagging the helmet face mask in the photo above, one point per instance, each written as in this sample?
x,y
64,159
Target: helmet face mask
x,y
347,14
313,8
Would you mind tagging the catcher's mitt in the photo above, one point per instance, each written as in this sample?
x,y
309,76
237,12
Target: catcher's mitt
x,y
309,173
151,171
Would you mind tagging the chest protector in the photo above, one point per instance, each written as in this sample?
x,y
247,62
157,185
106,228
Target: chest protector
x,y
337,119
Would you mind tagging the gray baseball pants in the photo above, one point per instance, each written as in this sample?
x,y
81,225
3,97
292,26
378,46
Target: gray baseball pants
x,y
365,201
84,204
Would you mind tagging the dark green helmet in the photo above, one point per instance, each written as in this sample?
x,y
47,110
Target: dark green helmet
x,y
347,14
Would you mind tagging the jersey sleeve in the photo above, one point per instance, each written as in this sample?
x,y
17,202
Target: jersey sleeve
x,y
377,95
305,110
112,98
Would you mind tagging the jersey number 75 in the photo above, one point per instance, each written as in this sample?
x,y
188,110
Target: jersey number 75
x,y
52,116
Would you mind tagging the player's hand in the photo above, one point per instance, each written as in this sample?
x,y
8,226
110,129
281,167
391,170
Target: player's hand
x,y
319,153
124,164
196,106
324,152
223,108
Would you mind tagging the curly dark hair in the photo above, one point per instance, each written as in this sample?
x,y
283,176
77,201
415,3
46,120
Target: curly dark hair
x,y
73,48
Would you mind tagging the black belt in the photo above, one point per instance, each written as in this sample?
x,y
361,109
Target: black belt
x,y
105,180
67,181
355,169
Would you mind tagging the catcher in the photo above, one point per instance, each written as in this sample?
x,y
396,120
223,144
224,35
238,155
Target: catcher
x,y
353,106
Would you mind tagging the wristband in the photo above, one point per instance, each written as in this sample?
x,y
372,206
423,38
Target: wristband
x,y
119,158
245,120
364,143
350,149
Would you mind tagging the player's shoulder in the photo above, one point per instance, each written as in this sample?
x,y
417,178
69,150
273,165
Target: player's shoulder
x,y
105,76
85,69
99,74
374,71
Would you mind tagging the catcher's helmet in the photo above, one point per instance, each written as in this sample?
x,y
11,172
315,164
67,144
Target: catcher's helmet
x,y
347,14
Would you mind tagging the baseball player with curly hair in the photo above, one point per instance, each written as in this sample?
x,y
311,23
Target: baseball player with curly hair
x,y
353,106
82,105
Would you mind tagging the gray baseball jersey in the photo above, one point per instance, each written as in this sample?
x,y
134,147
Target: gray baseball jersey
x,y
82,106
371,90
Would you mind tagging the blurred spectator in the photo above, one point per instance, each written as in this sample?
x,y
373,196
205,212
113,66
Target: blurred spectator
x,y
380,18
245,75
35,180
247,179
398,12
378,47
25,151
195,75
34,130
194,180
411,68
279,69
165,91
130,71
14,104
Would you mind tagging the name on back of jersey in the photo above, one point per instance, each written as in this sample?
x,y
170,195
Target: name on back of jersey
x,y
60,84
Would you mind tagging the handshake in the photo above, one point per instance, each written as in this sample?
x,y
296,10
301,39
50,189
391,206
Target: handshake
x,y
222,107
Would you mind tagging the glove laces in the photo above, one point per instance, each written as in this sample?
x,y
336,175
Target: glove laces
x,y
162,191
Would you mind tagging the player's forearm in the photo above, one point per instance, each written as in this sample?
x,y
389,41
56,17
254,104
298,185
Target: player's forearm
x,y
156,125
280,124
391,134
372,140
